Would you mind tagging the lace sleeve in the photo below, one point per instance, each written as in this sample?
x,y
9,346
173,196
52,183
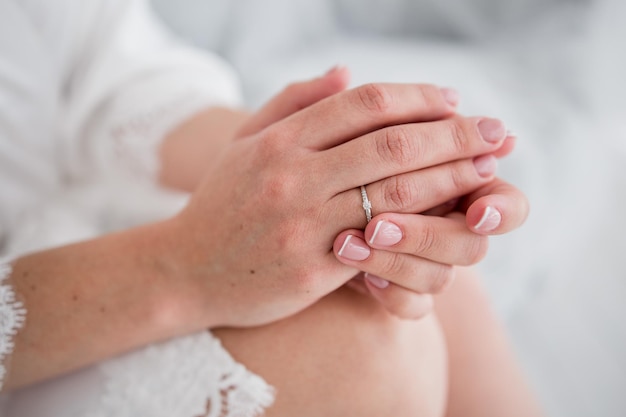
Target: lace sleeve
x,y
192,376
133,82
12,317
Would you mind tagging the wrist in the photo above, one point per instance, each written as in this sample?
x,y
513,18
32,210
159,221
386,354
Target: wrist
x,y
187,303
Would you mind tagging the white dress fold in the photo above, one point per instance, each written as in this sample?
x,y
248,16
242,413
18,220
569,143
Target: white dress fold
x,y
88,89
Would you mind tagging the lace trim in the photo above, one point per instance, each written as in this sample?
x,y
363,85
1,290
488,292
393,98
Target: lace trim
x,y
12,318
193,376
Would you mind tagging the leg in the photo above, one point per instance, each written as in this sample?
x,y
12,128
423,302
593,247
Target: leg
x,y
346,356
484,378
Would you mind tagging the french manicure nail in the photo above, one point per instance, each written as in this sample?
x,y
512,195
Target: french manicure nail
x,y
378,282
492,130
386,234
450,95
354,248
486,165
490,220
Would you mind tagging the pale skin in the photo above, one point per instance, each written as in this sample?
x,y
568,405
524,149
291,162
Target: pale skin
x,y
182,290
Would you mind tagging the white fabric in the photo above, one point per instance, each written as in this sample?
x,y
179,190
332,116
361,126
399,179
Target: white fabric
x,y
554,71
87,92
12,317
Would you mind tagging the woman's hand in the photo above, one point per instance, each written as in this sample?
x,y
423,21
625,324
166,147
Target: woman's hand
x,y
416,253
255,241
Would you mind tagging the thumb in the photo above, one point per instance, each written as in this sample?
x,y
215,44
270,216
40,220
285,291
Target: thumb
x,y
295,97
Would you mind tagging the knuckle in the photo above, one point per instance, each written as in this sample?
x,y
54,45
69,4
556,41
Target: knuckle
x,y
458,179
397,193
477,249
374,98
392,266
458,137
278,187
428,96
271,142
426,240
396,146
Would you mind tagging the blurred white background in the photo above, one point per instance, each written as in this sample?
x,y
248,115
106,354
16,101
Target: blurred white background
x,y
553,71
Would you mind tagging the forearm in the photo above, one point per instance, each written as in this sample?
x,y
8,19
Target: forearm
x,y
189,150
92,300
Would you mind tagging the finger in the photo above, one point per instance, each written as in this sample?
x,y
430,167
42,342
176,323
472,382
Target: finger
x,y
507,146
296,97
415,191
442,209
439,239
352,113
416,274
399,149
399,301
496,208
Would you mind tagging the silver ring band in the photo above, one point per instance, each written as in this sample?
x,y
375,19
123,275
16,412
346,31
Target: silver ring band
x,y
367,205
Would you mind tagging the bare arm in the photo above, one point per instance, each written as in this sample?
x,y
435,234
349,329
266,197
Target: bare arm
x,y
94,299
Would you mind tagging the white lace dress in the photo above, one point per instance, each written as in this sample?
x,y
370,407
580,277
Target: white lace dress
x,y
87,91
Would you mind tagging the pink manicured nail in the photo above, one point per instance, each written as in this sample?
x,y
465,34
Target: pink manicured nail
x,y
377,281
354,248
492,130
450,95
486,165
489,221
386,234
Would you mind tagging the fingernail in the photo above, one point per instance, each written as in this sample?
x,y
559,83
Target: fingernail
x,y
489,221
378,282
450,95
354,248
492,130
486,165
334,69
386,234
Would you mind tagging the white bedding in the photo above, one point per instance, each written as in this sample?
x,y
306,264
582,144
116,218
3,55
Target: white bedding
x,y
553,71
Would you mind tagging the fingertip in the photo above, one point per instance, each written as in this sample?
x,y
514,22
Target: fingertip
x,y
399,301
485,220
507,146
350,247
338,76
451,96
496,214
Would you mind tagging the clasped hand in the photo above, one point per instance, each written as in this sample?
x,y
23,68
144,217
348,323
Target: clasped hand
x,y
277,222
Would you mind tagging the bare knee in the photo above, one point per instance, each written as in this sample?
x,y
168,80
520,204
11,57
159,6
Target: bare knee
x,y
346,356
